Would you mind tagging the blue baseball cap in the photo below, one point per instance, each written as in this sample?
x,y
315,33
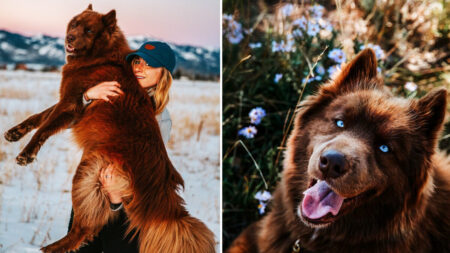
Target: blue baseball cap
x,y
156,54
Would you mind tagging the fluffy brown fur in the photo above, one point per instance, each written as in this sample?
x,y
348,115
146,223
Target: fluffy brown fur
x,y
395,201
123,132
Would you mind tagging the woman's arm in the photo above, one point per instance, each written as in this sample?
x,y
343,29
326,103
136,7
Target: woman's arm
x,y
109,180
103,91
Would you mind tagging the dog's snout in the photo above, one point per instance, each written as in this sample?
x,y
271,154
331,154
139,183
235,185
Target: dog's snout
x,y
70,38
332,164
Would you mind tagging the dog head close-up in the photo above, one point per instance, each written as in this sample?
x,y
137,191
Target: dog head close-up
x,y
358,155
90,33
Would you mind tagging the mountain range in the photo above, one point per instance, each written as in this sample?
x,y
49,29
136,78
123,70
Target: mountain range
x,y
43,50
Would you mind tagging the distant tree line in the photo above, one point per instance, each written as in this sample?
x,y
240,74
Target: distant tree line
x,y
179,72
193,75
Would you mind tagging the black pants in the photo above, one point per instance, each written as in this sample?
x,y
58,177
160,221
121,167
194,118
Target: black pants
x,y
111,238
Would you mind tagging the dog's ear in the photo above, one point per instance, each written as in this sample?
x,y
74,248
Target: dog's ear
x,y
109,19
89,7
360,73
430,111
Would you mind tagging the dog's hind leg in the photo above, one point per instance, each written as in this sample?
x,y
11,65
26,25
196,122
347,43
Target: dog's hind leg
x,y
72,241
61,116
90,206
246,242
32,122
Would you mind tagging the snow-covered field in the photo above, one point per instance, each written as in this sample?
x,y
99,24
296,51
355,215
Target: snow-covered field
x,y
35,200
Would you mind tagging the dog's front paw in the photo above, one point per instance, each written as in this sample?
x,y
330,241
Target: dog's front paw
x,y
46,249
24,158
13,134
55,248
50,249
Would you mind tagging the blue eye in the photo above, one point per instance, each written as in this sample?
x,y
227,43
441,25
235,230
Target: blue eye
x,y
340,123
384,148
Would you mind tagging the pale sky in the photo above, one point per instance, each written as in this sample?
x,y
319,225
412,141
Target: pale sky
x,y
192,22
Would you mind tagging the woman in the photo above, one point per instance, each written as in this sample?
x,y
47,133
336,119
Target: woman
x,y
153,65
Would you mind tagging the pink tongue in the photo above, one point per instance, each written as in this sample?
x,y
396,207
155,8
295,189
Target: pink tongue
x,y
319,200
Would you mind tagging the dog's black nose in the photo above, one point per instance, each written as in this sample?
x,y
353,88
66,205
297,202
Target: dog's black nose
x,y
332,164
70,38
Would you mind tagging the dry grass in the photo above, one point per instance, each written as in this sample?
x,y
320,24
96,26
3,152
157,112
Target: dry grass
x,y
202,116
8,92
40,192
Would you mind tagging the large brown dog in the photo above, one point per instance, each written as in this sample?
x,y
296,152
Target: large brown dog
x,y
123,132
360,174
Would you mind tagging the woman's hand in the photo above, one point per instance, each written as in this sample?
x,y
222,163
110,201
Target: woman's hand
x,y
108,178
103,91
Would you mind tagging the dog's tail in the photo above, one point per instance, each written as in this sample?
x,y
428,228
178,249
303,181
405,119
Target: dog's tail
x,y
187,235
157,214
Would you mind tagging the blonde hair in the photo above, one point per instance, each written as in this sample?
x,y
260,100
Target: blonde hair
x,y
161,96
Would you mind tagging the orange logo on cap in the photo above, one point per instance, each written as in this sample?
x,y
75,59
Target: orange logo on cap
x,y
149,47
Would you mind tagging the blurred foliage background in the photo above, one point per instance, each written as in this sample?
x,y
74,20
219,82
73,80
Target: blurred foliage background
x,y
276,53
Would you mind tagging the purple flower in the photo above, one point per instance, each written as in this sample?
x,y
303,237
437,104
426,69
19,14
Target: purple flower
x,y
235,38
233,30
284,46
309,80
312,79
248,132
300,22
337,55
256,115
263,197
276,47
262,207
328,27
234,34
255,45
297,33
411,86
290,43
313,29
333,69
287,9
277,78
317,11
379,53
319,69
227,17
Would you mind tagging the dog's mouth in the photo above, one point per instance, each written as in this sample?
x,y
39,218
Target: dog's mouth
x,y
321,205
70,49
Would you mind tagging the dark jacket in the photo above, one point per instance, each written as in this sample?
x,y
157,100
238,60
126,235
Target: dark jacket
x,y
109,239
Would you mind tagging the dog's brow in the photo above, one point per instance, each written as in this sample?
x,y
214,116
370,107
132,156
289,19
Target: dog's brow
x,y
394,132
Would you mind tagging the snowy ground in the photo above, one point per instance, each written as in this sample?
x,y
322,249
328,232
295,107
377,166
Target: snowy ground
x,y
35,200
